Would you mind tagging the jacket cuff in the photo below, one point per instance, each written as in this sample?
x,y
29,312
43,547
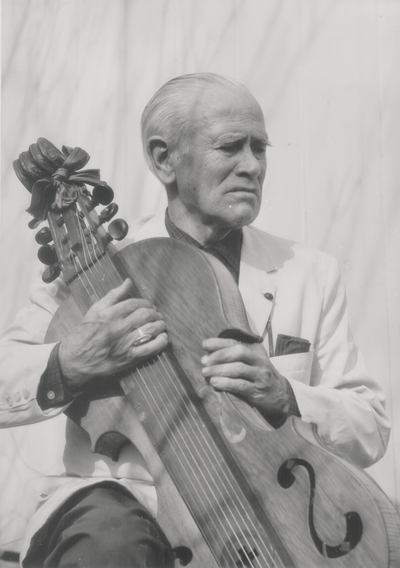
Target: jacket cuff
x,y
52,391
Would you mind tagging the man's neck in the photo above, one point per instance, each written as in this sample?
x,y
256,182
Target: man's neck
x,y
227,250
206,235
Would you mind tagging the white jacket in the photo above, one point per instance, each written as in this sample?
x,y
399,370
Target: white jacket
x,y
331,385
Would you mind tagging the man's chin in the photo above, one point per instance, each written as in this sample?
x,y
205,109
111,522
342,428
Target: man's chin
x,y
240,217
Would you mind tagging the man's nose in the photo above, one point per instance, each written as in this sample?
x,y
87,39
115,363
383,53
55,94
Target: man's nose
x,y
248,164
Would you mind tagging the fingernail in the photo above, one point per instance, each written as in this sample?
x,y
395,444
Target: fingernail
x,y
205,359
205,370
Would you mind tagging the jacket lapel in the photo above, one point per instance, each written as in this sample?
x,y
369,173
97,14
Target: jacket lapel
x,y
257,280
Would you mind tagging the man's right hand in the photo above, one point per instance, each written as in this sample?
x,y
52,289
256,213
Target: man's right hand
x,y
104,342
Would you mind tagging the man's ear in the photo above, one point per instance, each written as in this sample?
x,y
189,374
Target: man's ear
x,y
161,159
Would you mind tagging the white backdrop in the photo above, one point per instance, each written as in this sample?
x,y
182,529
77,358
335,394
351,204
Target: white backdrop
x,y
79,72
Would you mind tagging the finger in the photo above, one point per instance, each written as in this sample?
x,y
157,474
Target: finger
x,y
214,343
139,318
234,386
150,349
149,330
232,370
127,307
117,294
121,324
236,352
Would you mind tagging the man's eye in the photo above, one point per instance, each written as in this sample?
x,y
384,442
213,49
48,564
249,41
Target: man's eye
x,y
228,147
259,150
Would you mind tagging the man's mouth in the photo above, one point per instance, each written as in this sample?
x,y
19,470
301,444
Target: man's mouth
x,y
240,189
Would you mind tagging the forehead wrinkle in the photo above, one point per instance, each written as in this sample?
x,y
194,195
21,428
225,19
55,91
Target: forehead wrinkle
x,y
210,117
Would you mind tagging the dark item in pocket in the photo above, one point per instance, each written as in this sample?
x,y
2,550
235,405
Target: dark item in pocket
x,y
287,345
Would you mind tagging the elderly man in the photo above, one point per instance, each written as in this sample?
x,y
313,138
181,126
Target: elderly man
x,y
204,138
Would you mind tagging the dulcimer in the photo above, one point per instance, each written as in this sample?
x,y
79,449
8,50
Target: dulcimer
x,y
232,490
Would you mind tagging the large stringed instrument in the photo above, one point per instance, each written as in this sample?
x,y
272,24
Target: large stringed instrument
x,y
232,490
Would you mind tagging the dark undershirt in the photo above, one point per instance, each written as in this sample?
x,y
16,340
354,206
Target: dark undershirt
x,y
52,390
226,250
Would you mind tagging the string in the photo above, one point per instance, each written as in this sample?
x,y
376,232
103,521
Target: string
x,y
233,495
233,491
226,477
74,258
201,445
81,272
191,453
86,250
83,241
209,447
97,258
89,264
155,405
95,249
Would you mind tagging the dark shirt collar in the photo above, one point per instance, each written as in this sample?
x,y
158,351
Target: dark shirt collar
x,y
227,250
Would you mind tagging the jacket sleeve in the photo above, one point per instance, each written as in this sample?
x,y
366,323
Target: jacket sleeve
x,y
345,403
24,356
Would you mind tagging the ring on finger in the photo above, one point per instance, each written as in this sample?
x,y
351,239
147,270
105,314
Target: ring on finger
x,y
142,337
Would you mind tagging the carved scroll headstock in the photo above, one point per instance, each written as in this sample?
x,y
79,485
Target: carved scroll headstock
x,y
59,194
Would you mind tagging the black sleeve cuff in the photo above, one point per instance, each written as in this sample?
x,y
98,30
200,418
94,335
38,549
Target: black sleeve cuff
x,y
52,391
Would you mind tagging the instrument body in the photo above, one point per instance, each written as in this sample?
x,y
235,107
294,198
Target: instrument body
x,y
233,491
168,273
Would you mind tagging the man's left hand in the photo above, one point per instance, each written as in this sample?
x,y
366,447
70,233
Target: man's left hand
x,y
245,369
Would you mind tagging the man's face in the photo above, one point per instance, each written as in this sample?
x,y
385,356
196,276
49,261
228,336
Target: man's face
x,y
220,173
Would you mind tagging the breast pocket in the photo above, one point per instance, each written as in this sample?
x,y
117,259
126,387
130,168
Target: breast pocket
x,y
296,366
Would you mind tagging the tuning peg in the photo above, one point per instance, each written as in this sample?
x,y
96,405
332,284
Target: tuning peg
x,y
108,213
118,229
34,223
44,236
102,194
47,255
51,273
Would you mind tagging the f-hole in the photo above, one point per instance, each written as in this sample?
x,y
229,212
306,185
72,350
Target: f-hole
x,y
354,526
183,554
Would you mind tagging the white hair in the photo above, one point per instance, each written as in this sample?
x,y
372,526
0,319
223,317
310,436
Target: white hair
x,y
168,112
